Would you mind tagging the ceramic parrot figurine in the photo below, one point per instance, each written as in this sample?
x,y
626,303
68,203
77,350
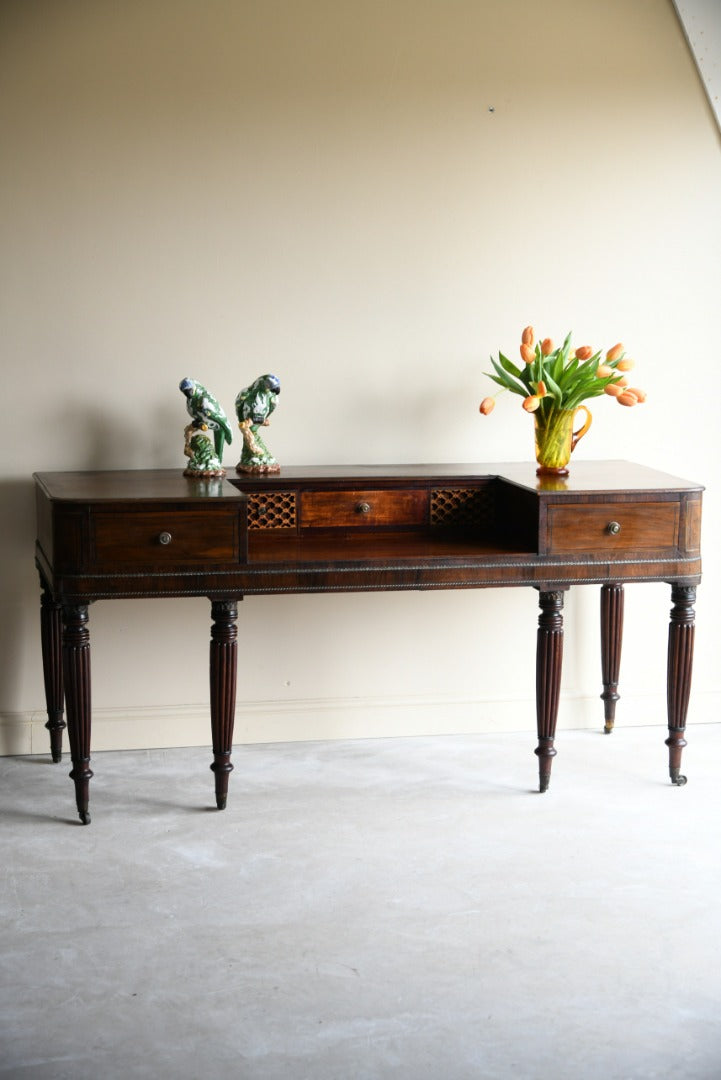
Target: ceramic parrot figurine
x,y
253,407
206,434
206,413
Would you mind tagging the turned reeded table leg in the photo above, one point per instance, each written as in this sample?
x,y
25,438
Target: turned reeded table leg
x,y
76,675
223,668
549,657
51,640
611,637
681,634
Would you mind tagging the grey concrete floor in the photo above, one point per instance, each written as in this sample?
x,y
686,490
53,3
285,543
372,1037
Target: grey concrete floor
x,y
405,908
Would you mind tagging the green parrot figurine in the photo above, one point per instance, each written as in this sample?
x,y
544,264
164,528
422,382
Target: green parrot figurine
x,y
205,453
253,407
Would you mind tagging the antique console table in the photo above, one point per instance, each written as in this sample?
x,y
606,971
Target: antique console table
x,y
369,528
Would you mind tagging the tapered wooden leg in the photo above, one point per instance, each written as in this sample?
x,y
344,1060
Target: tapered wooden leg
x,y
223,668
76,675
612,597
549,657
51,639
681,633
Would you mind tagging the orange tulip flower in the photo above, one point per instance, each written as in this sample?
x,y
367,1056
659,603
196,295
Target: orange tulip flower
x,y
553,377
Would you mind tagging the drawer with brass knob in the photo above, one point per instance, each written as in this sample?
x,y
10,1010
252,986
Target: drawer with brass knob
x,y
364,508
607,528
169,537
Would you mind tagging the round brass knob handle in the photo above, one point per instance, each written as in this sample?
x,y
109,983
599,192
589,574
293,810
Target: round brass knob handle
x,y
613,528
363,508
164,538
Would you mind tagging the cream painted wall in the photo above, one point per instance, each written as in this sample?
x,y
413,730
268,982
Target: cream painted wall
x,y
368,199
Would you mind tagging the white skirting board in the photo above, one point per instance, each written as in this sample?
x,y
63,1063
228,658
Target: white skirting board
x,y
292,721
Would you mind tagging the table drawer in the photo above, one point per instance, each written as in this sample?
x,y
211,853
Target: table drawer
x,y
611,527
164,538
364,508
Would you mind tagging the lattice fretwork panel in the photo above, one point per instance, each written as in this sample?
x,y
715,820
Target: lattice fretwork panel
x,y
272,510
461,507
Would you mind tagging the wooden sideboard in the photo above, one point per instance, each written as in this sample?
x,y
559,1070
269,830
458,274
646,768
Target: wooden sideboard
x,y
157,533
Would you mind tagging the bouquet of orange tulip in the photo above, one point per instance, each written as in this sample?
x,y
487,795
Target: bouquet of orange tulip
x,y
554,383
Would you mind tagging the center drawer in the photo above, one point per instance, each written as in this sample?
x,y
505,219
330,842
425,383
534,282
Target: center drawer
x,y
364,508
602,529
165,538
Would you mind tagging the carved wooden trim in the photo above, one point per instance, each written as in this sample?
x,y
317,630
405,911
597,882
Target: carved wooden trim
x,y
461,507
272,510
